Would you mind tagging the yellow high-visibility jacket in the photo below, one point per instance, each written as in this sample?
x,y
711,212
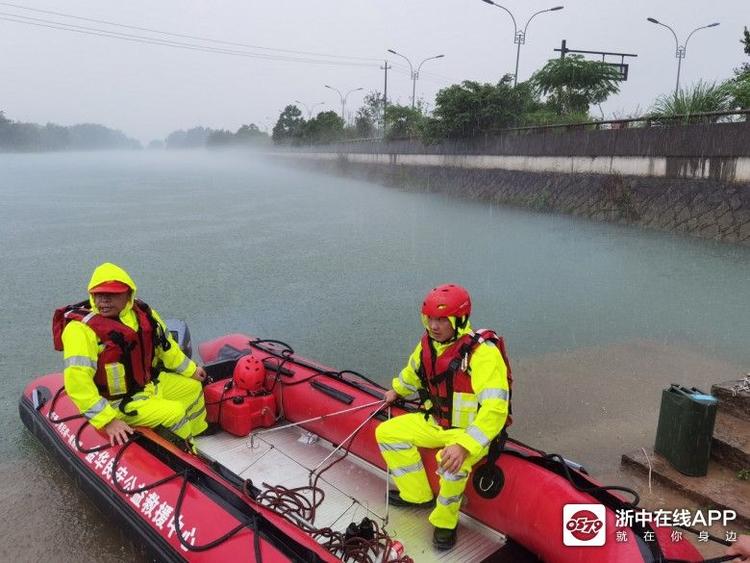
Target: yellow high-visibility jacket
x,y
81,350
489,381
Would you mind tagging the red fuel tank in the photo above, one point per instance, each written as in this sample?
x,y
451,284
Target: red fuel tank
x,y
236,410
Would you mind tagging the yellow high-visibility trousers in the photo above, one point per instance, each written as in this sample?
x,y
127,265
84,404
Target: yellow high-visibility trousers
x,y
173,400
399,439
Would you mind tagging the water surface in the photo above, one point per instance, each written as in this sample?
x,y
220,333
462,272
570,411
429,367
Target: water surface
x,y
596,316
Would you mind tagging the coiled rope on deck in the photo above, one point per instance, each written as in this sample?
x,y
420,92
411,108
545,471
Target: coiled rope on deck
x,y
365,542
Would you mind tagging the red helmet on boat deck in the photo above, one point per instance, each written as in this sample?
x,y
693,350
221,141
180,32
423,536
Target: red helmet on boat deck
x,y
447,300
249,374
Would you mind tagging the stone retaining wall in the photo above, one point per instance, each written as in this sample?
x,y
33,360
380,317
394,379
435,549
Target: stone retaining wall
x,y
711,208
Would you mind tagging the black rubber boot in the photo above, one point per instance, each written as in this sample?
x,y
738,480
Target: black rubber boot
x,y
444,538
212,429
394,498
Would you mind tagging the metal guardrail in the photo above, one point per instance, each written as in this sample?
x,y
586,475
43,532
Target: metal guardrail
x,y
607,125
639,122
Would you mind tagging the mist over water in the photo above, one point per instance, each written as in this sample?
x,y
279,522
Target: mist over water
x,y
335,267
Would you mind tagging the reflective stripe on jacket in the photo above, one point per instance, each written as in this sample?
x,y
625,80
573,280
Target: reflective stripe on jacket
x,y
82,348
484,383
125,355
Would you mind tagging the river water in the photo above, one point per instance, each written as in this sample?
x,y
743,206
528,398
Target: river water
x,y
597,317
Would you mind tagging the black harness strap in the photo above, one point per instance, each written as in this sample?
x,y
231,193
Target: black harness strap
x,y
159,338
130,382
463,352
438,408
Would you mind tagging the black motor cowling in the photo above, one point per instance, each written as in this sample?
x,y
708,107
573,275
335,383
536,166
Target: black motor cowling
x,y
181,334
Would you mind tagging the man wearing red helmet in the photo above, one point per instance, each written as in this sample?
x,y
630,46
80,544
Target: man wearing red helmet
x,y
453,370
111,344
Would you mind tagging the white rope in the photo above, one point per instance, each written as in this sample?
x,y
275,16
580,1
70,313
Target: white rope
x,y
253,435
387,483
355,501
649,470
345,440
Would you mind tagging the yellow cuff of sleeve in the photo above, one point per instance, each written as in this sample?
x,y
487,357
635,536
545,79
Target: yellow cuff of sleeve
x,y
103,418
470,444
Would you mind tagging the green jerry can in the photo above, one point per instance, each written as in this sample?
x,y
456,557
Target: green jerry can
x,y
686,426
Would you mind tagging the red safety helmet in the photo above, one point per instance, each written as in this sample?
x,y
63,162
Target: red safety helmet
x,y
249,374
447,300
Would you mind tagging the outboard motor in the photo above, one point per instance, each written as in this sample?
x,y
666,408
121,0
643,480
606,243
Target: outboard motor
x,y
181,334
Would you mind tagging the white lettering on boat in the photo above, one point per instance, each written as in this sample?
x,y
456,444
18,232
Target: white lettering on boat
x,y
150,505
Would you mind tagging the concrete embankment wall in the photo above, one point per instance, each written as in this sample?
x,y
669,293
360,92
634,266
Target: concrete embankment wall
x,y
690,179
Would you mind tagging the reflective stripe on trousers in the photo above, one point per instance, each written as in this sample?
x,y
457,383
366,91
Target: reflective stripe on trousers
x,y
177,403
398,439
193,411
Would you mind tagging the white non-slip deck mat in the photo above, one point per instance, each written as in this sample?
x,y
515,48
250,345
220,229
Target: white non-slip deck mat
x,y
286,456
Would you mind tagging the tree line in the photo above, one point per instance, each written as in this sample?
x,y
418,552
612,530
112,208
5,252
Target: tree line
x,y
563,91
30,137
204,137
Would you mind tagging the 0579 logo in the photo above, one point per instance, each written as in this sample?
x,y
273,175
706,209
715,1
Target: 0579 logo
x,y
584,524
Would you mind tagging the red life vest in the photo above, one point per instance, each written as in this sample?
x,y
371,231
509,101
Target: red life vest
x,y
133,349
449,373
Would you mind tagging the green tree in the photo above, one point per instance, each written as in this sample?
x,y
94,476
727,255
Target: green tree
x,y
251,131
17,136
739,87
470,109
404,122
364,127
572,84
326,127
289,127
194,138
6,126
220,138
740,84
55,137
370,115
251,135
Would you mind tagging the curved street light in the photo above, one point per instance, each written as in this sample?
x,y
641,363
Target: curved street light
x,y
343,98
680,50
311,108
519,36
414,75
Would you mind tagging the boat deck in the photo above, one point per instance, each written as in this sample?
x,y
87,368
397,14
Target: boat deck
x,y
353,489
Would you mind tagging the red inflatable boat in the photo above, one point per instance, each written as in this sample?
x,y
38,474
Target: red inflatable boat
x,y
308,482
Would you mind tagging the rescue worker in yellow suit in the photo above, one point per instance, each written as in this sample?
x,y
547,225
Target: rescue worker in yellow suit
x,y
111,345
454,371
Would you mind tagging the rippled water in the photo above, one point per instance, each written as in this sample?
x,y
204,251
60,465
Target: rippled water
x,y
335,267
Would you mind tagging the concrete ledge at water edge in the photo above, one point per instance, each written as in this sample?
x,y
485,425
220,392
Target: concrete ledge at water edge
x,y
734,397
730,445
719,489
731,439
726,484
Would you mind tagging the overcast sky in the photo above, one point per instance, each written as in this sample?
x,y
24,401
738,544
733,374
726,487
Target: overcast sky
x,y
146,90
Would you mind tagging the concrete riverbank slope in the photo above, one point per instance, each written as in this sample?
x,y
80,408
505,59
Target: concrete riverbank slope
x,y
692,179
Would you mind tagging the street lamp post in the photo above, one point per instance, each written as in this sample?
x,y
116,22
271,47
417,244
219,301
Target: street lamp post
x,y
680,50
414,75
519,36
343,98
311,108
